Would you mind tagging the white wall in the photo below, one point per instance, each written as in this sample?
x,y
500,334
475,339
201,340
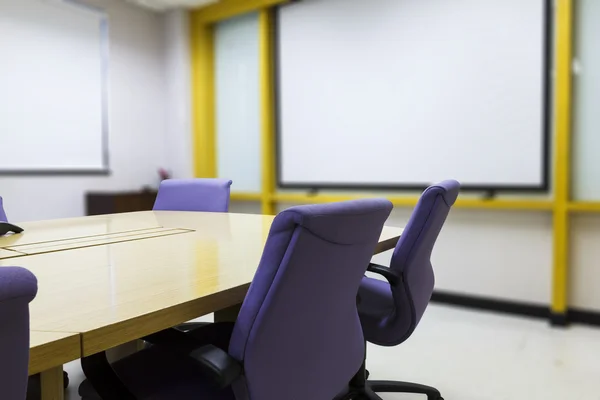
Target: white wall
x,y
500,254
178,139
584,273
137,111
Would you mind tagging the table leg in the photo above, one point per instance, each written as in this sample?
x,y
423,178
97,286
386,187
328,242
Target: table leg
x,y
228,314
52,384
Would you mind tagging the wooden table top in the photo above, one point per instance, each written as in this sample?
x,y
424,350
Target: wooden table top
x,y
87,241
6,253
70,228
120,291
49,349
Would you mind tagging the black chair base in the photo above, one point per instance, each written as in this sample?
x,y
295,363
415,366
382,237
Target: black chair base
x,y
371,388
360,388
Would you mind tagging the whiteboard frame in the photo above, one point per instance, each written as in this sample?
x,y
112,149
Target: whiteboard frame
x,y
544,186
104,60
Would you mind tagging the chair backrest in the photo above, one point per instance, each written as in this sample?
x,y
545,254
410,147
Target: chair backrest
x,y
412,259
298,334
3,216
210,195
18,287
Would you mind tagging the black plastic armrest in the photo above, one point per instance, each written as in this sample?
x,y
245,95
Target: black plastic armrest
x,y
6,227
217,364
392,276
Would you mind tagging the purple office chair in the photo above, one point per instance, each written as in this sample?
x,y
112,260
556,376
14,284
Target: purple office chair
x,y
197,194
3,216
298,335
390,311
5,226
18,287
210,195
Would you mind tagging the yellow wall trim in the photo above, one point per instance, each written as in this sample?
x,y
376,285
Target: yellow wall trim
x,y
404,201
245,196
230,8
203,98
584,207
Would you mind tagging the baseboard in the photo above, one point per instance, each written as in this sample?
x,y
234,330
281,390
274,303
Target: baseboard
x,y
587,317
491,304
558,320
574,315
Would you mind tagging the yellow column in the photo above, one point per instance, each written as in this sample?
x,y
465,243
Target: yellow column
x,y
203,97
267,110
562,173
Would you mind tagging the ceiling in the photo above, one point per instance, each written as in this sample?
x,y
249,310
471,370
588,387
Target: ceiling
x,y
162,5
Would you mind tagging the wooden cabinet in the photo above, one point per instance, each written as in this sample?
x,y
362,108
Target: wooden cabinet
x,y
119,202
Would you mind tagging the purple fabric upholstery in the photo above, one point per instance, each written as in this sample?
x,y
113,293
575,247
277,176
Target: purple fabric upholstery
x,y
298,335
388,314
210,195
18,287
3,216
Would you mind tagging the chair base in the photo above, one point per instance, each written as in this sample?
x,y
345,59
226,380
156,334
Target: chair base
x,y
371,388
360,388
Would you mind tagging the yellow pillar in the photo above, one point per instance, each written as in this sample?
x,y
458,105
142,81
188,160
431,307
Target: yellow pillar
x,y
203,97
562,173
267,110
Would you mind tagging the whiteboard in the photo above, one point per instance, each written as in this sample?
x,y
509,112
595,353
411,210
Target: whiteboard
x,y
237,102
402,93
53,96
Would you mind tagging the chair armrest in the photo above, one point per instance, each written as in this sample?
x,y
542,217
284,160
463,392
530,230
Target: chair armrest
x,y
217,364
392,276
17,283
6,227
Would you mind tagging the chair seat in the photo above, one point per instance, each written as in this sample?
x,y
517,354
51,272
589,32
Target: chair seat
x,y
154,374
376,299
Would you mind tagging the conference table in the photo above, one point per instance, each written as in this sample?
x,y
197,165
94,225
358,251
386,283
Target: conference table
x,y
107,280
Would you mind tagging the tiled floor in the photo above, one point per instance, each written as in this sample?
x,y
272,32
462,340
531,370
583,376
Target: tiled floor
x,y
480,356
